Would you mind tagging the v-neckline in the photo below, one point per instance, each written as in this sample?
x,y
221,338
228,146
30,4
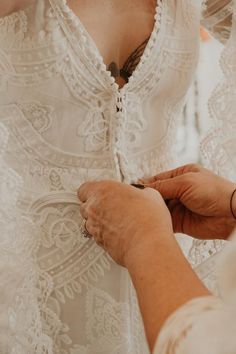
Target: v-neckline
x,y
146,53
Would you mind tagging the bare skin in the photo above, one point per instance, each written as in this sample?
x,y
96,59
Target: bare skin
x,y
140,237
199,201
121,27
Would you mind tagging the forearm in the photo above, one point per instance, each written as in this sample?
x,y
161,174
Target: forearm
x,y
163,280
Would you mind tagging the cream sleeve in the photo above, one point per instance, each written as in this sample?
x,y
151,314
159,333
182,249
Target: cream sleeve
x,y
205,325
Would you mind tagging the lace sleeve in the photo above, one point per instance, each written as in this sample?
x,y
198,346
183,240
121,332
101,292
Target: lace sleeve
x,y
185,332
219,145
217,18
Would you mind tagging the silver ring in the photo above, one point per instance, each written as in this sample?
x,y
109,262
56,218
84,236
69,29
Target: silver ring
x,y
85,232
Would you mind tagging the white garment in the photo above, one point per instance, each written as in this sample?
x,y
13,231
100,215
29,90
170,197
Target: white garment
x,y
68,123
21,329
219,145
207,325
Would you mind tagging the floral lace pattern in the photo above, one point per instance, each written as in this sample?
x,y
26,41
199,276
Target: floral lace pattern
x,y
38,115
69,122
219,145
21,328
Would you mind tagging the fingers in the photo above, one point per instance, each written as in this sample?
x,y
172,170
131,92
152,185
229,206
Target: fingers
x,y
163,175
83,211
152,193
183,220
172,173
171,188
178,212
91,225
91,229
86,190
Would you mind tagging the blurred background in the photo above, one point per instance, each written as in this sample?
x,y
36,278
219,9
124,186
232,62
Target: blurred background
x,y
196,120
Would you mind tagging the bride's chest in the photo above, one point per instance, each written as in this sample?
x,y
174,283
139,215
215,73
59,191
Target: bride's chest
x,y
117,27
38,40
52,58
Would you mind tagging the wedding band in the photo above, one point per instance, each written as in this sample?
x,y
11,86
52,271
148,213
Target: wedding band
x,y
85,232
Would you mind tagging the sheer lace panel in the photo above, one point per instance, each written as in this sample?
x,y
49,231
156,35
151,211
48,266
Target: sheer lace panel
x,y
217,18
219,147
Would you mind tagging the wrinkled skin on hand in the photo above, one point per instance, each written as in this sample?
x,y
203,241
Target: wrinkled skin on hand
x,y
199,201
121,218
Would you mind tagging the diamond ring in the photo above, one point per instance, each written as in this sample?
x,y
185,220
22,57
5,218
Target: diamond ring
x,y
85,232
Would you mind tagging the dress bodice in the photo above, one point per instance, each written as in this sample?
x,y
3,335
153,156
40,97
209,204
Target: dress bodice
x,y
69,122
70,109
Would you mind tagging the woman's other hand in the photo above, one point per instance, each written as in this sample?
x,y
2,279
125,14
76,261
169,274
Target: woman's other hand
x,y
199,201
134,227
122,219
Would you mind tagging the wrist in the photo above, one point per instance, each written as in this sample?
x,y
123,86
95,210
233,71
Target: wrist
x,y
231,214
146,247
227,200
232,219
233,204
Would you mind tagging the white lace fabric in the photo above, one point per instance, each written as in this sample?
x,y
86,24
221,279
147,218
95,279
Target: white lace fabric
x,y
68,122
217,18
207,325
219,146
20,305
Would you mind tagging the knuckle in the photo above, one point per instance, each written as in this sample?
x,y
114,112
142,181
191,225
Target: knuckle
x,y
157,185
194,167
82,209
189,178
186,178
90,210
102,190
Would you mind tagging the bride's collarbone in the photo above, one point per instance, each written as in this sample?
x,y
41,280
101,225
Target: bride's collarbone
x,y
117,28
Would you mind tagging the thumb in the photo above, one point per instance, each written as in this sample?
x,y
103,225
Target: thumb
x,y
171,188
153,193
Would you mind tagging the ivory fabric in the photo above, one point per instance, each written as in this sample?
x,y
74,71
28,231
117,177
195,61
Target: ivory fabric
x,y
66,122
207,325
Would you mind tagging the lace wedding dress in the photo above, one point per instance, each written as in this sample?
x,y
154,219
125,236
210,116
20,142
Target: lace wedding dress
x,y
68,122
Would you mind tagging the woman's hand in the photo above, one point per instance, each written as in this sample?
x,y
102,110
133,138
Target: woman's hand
x,y
122,219
134,226
199,201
